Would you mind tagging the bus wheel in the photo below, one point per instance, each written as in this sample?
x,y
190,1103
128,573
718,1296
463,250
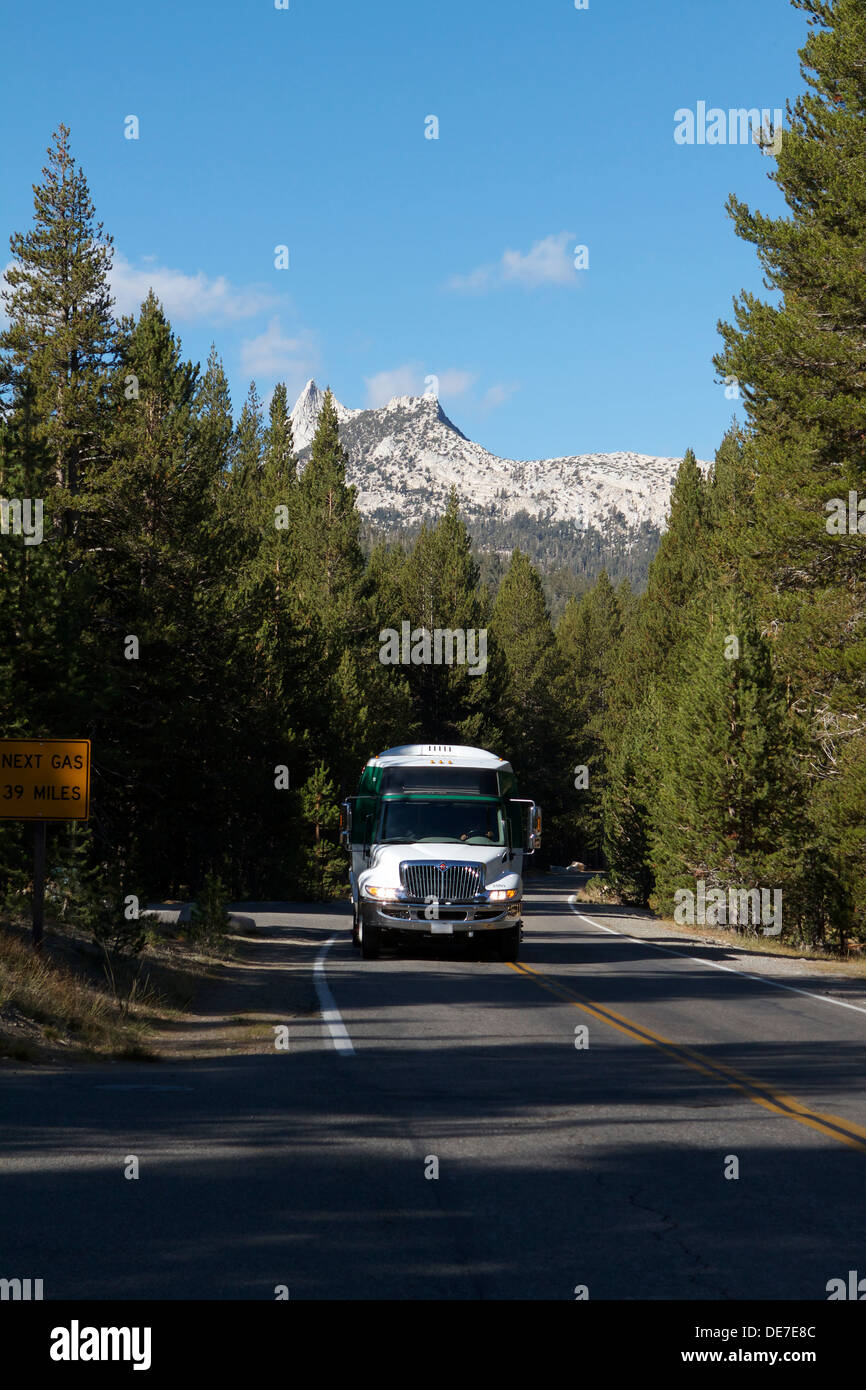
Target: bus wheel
x,y
509,943
371,942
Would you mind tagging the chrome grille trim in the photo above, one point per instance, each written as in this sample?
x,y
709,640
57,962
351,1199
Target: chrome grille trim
x,y
457,882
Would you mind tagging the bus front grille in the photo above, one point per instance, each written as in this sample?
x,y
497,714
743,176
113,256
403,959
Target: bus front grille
x,y
449,883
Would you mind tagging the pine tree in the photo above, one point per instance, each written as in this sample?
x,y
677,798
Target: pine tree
x,y
729,533
148,515
801,365
249,444
329,562
212,452
55,354
730,810
39,609
371,707
839,809
60,340
272,517
151,494
324,872
644,674
801,362
384,582
72,883
238,510
729,508
325,612
632,777
677,575
589,636
280,463
532,710
213,409
440,589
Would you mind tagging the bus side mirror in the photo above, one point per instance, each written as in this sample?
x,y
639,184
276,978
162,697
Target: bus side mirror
x,y
346,825
534,837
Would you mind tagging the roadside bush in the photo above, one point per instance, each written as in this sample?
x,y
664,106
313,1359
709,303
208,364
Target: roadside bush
x,y
209,919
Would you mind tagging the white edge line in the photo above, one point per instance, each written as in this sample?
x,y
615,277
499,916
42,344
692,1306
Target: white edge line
x,y
330,1013
714,964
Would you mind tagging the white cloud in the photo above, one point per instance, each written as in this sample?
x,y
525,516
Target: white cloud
x,y
454,382
273,356
412,380
549,261
407,380
481,279
497,395
186,298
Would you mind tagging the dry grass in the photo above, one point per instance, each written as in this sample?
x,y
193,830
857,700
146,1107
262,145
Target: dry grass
x,y
45,1003
755,944
58,1003
852,965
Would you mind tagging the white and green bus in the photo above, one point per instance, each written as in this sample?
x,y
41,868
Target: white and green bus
x,y
438,837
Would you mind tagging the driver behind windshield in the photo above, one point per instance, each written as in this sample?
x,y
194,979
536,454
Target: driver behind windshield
x,y
442,822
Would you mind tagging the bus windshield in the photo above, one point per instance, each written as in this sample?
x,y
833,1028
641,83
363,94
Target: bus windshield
x,y
441,822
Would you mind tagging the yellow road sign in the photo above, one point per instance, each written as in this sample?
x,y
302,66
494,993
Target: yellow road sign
x,y
44,778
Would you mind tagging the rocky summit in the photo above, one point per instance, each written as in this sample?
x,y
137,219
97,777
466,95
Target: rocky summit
x,y
405,457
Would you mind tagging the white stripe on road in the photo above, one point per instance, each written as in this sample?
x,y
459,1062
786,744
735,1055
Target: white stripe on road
x,y
140,1087
698,960
330,1013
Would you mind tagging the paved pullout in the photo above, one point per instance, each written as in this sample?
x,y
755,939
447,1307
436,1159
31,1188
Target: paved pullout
x,y
558,1165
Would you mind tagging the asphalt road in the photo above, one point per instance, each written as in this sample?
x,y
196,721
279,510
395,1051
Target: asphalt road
x,y
559,1166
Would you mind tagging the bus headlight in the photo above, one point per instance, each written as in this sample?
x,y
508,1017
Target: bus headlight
x,y
384,895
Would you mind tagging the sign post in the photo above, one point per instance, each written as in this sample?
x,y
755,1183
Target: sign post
x,y
43,779
38,883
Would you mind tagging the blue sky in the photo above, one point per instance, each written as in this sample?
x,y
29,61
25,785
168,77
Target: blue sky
x,y
412,257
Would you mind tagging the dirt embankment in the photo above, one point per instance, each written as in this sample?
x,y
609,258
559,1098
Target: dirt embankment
x,y
175,1000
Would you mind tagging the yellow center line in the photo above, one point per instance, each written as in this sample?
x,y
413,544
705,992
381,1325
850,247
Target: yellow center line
x,y
831,1126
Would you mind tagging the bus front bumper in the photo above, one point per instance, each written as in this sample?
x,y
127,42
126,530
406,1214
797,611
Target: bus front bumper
x,y
445,919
